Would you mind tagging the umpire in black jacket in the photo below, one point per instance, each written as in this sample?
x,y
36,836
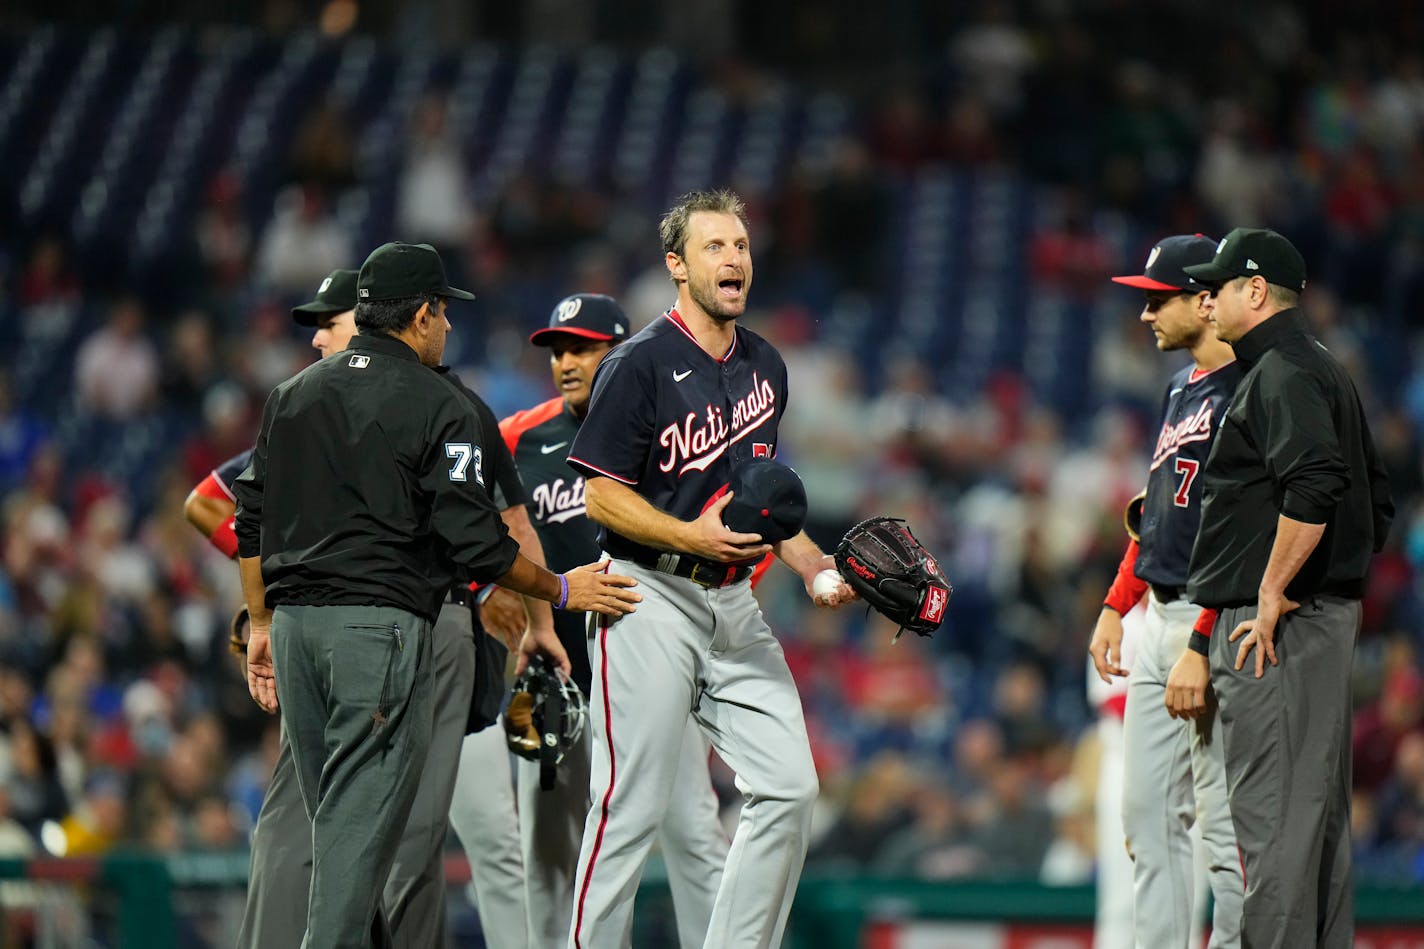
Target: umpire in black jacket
x,y
364,500
1295,501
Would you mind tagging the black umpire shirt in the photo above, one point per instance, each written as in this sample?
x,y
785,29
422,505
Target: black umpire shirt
x,y
1295,442
366,486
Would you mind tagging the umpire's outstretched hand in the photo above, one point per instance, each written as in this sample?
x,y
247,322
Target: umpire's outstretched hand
x,y
594,591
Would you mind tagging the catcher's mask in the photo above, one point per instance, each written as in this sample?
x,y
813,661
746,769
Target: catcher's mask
x,y
545,717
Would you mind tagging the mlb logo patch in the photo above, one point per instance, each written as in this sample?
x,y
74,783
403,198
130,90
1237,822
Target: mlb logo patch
x,y
761,450
359,361
936,599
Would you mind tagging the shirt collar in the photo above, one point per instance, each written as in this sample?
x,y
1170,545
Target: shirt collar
x,y
385,345
1269,334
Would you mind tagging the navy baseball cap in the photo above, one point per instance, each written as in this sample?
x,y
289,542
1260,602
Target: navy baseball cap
x,y
1253,252
337,294
398,270
768,499
590,315
1167,264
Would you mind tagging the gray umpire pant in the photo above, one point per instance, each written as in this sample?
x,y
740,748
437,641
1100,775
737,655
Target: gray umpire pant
x,y
355,683
1287,740
275,916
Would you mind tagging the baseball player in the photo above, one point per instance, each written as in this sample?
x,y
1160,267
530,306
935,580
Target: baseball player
x,y
1176,774
674,411
581,330
279,877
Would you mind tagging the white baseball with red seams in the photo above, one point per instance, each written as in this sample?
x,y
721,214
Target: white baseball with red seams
x,y
826,583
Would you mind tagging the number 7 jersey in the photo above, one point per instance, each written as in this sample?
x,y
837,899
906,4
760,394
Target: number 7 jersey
x,y
1191,415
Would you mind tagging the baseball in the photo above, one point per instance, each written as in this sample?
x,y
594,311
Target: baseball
x,y
826,583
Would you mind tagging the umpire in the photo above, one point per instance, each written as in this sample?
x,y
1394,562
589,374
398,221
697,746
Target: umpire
x,y
1295,501
364,497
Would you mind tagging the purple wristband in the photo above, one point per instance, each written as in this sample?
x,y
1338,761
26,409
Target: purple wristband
x,y
563,593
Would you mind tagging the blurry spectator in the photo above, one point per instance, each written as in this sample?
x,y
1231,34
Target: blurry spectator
x,y
1382,726
212,827
850,210
47,278
433,202
323,151
190,365
96,825
1236,177
910,421
994,53
1021,710
21,434
116,368
1012,826
1399,811
824,435
935,846
875,807
1067,252
224,239
302,243
36,794
15,842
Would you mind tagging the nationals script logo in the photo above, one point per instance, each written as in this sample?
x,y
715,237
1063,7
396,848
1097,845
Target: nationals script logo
x,y
694,446
1194,428
556,502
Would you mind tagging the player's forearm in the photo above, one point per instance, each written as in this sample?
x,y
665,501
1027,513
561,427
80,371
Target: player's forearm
x,y
254,590
621,509
516,518
1295,541
801,554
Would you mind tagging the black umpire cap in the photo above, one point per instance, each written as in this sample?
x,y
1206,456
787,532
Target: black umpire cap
x,y
1253,252
590,315
337,294
398,270
768,499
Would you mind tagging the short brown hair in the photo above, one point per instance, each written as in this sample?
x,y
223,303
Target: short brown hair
x,y
673,227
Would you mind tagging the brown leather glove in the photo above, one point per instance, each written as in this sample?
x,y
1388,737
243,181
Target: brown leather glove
x,y
519,731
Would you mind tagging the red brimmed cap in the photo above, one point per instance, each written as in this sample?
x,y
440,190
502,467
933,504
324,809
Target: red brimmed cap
x,y
590,315
1164,270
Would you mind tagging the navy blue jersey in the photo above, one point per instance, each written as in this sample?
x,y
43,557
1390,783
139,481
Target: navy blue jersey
x,y
1191,415
227,472
672,422
539,439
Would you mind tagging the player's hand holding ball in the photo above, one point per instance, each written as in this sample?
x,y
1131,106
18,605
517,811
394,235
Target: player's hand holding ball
x,y
829,590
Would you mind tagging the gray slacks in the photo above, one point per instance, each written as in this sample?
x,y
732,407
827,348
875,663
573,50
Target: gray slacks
x,y
1287,738
281,863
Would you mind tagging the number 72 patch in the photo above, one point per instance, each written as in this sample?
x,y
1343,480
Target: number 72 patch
x,y
465,456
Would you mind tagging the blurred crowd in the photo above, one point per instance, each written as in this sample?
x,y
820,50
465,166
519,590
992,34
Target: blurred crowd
x,y
125,721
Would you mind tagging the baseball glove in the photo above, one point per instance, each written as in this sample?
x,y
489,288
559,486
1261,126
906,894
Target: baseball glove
x,y
237,632
1132,516
883,562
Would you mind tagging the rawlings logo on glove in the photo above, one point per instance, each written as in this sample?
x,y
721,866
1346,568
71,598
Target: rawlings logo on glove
x,y
883,562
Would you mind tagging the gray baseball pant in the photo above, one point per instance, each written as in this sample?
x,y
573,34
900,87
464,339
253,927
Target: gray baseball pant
x,y
1288,769
1174,776
551,824
482,814
707,652
355,683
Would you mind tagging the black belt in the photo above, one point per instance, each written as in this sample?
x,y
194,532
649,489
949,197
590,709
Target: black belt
x,y
707,573
461,595
1167,594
